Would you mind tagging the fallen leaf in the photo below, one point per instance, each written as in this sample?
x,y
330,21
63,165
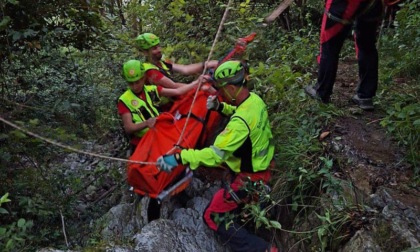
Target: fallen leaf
x,y
323,135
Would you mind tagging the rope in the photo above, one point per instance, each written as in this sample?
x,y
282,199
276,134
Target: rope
x,y
121,159
69,147
219,31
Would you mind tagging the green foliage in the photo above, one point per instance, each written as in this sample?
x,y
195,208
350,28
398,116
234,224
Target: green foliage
x,y
259,217
400,94
403,123
44,87
16,234
224,218
53,89
61,80
26,25
296,50
32,207
256,210
329,182
4,199
257,206
398,45
182,24
305,180
332,222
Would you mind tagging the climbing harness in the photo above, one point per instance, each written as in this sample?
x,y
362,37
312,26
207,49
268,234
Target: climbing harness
x,y
350,21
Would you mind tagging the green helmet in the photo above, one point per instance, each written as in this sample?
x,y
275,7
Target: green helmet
x,y
230,72
147,40
133,70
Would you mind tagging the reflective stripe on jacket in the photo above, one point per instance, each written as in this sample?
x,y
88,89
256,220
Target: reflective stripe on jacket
x,y
141,110
164,69
245,144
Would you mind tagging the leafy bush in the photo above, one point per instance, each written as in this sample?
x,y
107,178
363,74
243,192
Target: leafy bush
x,y
403,122
398,45
16,234
400,75
57,81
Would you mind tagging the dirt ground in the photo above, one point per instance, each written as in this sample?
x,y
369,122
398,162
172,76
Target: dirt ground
x,y
370,157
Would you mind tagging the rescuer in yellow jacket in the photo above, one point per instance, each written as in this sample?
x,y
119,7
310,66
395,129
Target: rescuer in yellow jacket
x,y
137,105
245,146
159,71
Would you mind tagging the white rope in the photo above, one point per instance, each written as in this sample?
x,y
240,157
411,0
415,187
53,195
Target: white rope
x,y
69,147
121,159
219,31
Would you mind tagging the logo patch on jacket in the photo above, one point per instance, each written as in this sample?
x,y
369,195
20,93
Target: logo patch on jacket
x,y
134,103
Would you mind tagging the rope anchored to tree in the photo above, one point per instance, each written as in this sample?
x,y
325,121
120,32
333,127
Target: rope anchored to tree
x,y
67,147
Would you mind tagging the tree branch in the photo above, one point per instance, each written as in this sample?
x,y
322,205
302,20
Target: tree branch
x,y
284,5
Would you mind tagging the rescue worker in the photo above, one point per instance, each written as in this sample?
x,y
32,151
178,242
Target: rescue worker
x,y
337,23
136,106
245,146
160,72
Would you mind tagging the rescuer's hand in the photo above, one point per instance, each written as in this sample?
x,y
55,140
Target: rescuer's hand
x,y
168,162
212,102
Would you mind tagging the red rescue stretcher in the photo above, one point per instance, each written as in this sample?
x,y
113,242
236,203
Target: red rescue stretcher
x,y
146,179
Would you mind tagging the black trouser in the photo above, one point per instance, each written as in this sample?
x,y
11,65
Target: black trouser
x,y
335,30
240,240
222,204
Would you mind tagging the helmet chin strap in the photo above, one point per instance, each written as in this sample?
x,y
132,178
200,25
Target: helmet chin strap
x,y
233,99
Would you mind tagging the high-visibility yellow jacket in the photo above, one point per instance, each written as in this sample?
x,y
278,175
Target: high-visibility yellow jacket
x,y
165,71
245,144
141,110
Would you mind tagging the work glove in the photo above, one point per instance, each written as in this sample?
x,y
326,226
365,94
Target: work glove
x,y
212,102
168,162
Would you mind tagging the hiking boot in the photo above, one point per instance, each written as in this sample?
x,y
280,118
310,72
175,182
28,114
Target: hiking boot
x,y
363,103
309,90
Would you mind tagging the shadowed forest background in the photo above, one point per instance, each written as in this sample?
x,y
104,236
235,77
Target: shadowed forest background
x,y
60,77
